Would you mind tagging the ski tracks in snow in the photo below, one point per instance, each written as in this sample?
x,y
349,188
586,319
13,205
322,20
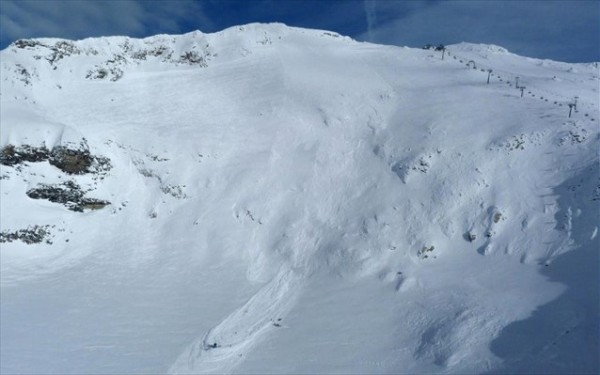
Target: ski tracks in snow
x,y
225,345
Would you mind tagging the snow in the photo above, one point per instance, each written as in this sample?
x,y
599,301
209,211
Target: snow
x,y
293,201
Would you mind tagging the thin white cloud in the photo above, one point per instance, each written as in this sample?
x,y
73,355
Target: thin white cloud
x,y
75,19
371,14
10,27
563,30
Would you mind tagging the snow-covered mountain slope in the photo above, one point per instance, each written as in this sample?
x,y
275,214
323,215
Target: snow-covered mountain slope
x,y
277,200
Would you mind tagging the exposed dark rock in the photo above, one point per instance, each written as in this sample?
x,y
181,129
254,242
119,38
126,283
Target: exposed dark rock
x,y
192,58
31,235
99,73
61,50
497,217
139,55
11,155
114,73
161,51
23,43
69,160
25,76
68,194
470,236
425,252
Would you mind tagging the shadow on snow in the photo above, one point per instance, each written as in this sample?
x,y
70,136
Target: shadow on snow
x,y
562,335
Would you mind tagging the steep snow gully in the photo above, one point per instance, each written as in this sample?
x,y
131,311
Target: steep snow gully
x,y
269,199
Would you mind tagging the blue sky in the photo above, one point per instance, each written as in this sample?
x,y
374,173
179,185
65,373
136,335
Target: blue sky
x,y
564,30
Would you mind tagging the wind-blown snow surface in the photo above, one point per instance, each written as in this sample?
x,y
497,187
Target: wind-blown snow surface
x,y
293,201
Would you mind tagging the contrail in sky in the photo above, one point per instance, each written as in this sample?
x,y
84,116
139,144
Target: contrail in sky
x,y
371,17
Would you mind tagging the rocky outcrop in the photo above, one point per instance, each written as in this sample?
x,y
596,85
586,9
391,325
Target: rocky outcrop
x,y
31,235
110,58
70,160
68,194
11,155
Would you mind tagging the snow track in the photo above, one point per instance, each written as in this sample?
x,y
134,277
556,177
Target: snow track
x,y
226,344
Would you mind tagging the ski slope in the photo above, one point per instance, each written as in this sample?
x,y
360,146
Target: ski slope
x,y
287,200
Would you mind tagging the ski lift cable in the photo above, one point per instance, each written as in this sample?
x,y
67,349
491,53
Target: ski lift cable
x,y
513,76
